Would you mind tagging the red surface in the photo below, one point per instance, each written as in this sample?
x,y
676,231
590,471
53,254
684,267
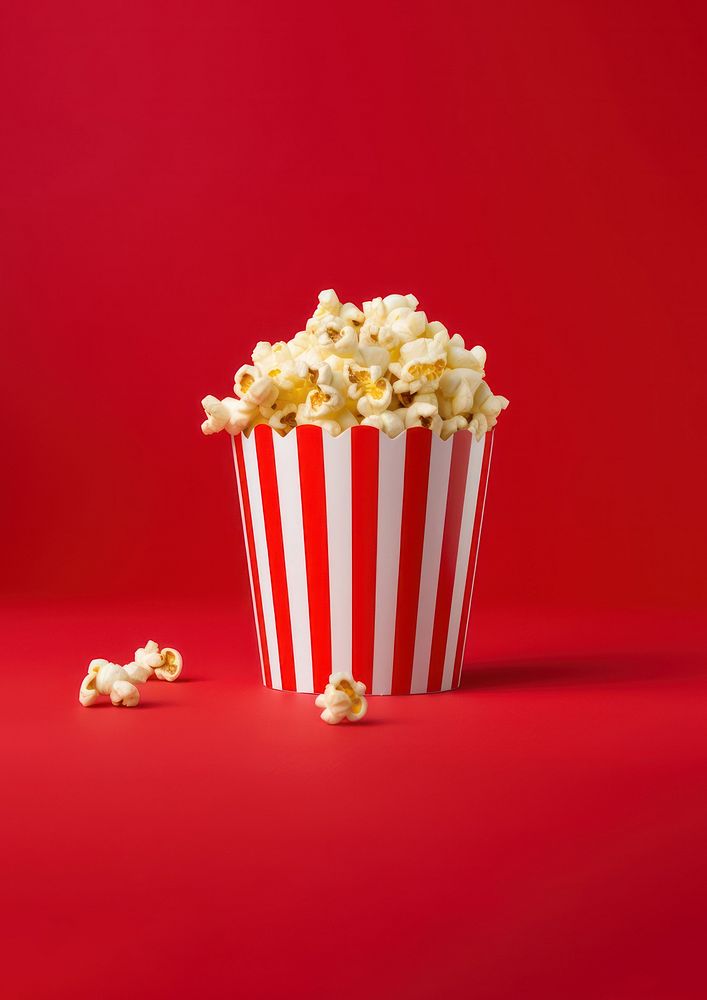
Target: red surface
x,y
178,181
538,833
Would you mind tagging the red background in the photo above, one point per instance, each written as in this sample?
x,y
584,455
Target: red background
x,y
178,181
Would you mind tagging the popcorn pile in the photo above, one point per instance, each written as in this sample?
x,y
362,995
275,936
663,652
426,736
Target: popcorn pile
x,y
382,366
120,683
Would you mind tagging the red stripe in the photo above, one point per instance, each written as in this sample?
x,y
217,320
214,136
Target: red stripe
x,y
310,449
461,446
250,542
364,543
276,553
418,444
473,551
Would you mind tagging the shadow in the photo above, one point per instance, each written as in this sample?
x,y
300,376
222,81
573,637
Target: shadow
x,y
106,703
576,671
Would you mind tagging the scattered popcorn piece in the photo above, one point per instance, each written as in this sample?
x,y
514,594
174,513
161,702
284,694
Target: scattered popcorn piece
x,y
120,683
354,366
165,663
171,666
343,698
105,678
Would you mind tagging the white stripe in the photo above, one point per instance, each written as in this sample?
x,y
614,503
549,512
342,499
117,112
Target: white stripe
x,y
391,475
438,486
478,546
247,555
261,556
465,533
288,487
337,479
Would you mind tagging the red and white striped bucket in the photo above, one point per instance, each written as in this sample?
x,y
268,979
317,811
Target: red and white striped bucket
x,y
362,553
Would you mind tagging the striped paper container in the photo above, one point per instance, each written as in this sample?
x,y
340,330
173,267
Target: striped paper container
x,y
362,553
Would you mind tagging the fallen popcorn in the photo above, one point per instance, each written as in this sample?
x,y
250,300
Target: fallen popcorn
x,y
110,679
384,365
120,683
165,663
343,698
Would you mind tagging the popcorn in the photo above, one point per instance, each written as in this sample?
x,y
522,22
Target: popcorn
x,y
165,663
322,401
383,365
105,678
373,355
343,698
456,391
351,315
333,425
421,366
301,342
337,338
254,388
120,683
367,385
389,422
232,415
267,357
400,302
216,415
488,405
147,658
478,426
284,420
423,415
329,304
172,664
453,425
406,324
459,357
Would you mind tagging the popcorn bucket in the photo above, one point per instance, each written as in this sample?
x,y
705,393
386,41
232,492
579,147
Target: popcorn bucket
x,y
362,553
